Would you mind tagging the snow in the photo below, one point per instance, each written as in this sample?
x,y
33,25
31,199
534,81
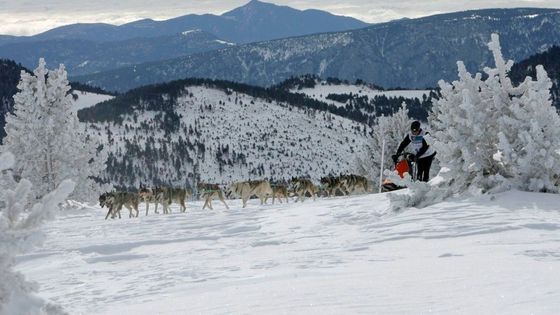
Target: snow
x,y
322,90
489,255
224,42
87,99
83,64
185,33
288,141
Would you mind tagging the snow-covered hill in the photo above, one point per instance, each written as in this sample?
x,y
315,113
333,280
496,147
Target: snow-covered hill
x,y
216,135
322,90
346,255
87,99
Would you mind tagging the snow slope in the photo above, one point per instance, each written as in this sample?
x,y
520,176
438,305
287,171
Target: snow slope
x,y
344,255
88,99
277,140
323,89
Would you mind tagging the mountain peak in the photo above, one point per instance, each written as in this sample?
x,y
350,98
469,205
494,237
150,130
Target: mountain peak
x,y
253,7
254,3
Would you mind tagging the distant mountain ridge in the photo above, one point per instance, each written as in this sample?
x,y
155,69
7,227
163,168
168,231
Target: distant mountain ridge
x,y
413,53
255,21
84,56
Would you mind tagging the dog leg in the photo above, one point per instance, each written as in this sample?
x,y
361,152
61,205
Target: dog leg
x,y
223,200
108,212
119,208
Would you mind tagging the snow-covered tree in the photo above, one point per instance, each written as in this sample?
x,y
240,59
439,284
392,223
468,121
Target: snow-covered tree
x,y
491,134
388,129
18,234
46,137
530,139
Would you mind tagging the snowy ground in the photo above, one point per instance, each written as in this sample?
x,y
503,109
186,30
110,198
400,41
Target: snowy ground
x,y
321,91
88,99
342,255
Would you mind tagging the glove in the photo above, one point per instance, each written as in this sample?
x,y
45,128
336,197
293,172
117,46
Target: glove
x,y
415,158
395,158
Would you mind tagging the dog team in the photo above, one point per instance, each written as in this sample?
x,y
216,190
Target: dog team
x,y
262,189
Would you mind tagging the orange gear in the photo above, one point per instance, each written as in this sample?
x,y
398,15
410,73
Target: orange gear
x,y
402,168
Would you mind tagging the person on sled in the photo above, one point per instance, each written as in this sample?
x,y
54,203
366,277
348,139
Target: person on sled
x,y
423,154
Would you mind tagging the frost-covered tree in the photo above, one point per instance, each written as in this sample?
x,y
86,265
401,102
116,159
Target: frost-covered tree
x,y
18,234
465,132
46,137
388,129
488,131
530,139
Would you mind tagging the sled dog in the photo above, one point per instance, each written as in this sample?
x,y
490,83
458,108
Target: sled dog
x,y
165,196
331,185
178,195
116,200
301,186
354,183
209,192
279,191
151,195
244,190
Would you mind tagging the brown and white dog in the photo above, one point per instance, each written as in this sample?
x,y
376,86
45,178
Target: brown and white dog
x,y
244,190
279,191
165,196
354,183
209,192
332,185
116,200
302,186
151,195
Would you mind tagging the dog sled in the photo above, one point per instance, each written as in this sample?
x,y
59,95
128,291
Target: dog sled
x,y
404,165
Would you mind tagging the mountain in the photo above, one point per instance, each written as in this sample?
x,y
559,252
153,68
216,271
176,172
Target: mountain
x,y
187,131
360,101
255,21
222,131
413,53
550,60
82,56
260,21
5,39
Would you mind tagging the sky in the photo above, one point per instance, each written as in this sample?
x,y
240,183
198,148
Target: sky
x,y
27,17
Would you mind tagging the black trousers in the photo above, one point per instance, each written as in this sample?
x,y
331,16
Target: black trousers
x,y
424,165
